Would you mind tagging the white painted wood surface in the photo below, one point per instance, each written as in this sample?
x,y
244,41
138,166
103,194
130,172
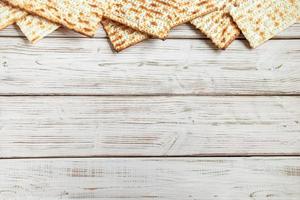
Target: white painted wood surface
x,y
90,118
152,178
80,66
148,126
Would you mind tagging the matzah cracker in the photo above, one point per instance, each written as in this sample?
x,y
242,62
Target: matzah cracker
x,y
193,9
219,27
156,17
36,28
83,16
260,20
122,36
298,8
9,15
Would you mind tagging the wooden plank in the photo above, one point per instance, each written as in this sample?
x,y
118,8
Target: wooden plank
x,y
189,67
164,179
182,31
148,126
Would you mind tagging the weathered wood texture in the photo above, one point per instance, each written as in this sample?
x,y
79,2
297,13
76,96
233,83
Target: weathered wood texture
x,y
148,126
69,126
177,178
183,31
192,67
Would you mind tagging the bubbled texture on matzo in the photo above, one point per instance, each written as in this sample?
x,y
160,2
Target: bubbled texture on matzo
x,y
9,15
260,20
122,36
35,28
83,16
156,17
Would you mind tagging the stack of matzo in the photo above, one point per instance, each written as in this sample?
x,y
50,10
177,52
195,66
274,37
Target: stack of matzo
x,y
128,22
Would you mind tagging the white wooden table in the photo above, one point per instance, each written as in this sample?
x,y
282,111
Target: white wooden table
x,y
162,120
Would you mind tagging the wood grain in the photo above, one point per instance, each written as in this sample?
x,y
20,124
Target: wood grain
x,y
183,31
52,128
78,66
172,178
148,126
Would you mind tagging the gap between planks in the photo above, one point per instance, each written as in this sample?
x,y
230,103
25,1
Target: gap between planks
x,y
149,95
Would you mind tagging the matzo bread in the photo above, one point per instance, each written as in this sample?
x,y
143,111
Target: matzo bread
x,y
193,9
122,36
298,8
83,16
35,28
219,27
9,15
260,20
156,17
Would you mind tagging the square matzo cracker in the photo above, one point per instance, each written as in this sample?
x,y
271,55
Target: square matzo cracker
x,y
83,16
122,36
9,15
219,27
35,28
260,20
